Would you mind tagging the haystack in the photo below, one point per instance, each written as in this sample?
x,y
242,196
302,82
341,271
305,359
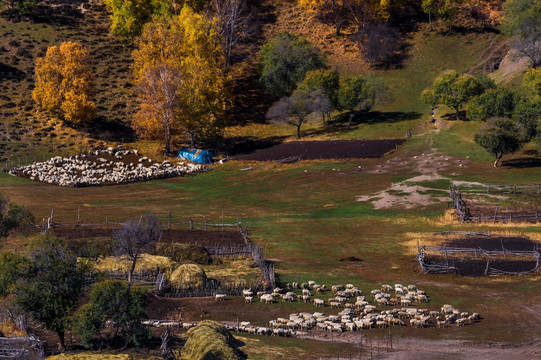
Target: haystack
x,y
183,253
145,263
209,340
188,275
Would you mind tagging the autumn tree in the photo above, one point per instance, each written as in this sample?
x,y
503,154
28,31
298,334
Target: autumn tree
x,y
234,23
522,22
158,96
499,136
286,60
191,50
64,82
136,237
380,44
453,90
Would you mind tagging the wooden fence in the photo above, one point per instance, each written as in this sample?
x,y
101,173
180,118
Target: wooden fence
x,y
21,348
447,255
464,212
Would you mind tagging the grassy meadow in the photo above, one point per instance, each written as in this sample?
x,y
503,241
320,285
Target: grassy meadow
x,y
306,216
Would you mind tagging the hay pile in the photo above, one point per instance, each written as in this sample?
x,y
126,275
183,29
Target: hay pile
x,y
188,275
183,253
91,356
209,340
145,263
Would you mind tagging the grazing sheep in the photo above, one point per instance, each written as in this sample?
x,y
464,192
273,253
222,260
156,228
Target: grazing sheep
x,y
248,299
319,302
220,297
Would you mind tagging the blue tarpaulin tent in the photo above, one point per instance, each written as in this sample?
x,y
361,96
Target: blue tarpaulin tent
x,y
196,155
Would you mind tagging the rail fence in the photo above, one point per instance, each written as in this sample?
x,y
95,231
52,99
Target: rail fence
x,y
464,212
21,348
157,280
447,255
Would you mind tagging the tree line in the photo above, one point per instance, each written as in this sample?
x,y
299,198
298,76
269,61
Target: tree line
x,y
48,282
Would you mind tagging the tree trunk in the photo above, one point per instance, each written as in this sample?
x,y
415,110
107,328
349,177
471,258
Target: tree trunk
x,y
299,131
351,116
498,158
167,141
130,273
62,345
457,114
430,20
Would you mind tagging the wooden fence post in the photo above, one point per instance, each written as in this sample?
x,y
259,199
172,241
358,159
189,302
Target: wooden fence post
x,y
169,220
205,222
191,224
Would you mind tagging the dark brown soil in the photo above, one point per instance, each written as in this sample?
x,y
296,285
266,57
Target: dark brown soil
x,y
192,237
331,149
494,243
477,266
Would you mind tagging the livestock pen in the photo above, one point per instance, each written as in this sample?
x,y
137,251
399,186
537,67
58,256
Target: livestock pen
x,y
496,203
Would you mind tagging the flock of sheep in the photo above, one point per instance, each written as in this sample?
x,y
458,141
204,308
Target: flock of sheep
x,y
357,314
108,166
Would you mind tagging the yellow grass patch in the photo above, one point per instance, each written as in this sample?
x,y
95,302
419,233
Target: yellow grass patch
x,y
232,269
8,329
145,263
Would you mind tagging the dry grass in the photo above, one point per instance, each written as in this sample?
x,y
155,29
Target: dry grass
x,y
8,329
188,275
232,269
91,356
145,263
209,340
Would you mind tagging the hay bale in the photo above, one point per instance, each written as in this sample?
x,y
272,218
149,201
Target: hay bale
x,y
183,253
188,275
91,356
146,262
209,340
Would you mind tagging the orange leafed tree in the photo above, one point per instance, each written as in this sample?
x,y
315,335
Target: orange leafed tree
x,y
64,82
188,53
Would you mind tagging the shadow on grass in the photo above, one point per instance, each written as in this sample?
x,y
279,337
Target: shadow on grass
x,y
8,72
522,163
341,122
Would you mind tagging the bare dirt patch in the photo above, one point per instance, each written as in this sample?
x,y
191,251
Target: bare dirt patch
x,y
192,237
310,150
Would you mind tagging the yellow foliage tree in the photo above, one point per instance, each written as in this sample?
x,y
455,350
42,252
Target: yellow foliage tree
x,y
64,82
188,44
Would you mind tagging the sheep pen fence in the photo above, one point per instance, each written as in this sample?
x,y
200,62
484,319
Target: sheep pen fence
x,y
462,199
244,248
476,261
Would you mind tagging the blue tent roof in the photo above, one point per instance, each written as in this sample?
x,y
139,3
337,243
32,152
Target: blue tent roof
x,y
195,155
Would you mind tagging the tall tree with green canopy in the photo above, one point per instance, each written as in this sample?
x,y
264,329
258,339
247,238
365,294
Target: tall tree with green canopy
x,y
115,301
326,80
522,22
499,136
53,285
285,61
190,48
498,102
453,90
360,94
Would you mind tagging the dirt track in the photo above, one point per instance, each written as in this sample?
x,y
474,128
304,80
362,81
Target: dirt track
x,y
331,149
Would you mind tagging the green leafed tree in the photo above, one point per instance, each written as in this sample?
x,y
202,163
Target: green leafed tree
x,y
496,102
499,136
326,80
359,94
453,90
129,16
522,22
120,305
53,285
285,61
12,268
